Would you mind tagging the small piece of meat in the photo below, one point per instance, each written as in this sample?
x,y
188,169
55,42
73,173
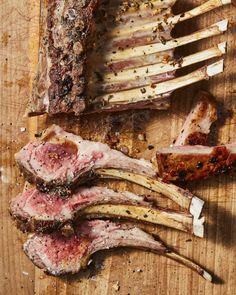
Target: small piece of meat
x,y
59,255
198,123
184,163
38,211
60,80
63,159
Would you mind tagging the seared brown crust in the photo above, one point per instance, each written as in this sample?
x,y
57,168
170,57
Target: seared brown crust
x,y
60,82
192,166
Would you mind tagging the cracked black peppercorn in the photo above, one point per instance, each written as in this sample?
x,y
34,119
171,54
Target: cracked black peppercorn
x,y
182,174
199,165
213,160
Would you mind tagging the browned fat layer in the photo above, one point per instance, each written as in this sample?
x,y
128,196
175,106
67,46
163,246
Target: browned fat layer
x,y
184,167
60,82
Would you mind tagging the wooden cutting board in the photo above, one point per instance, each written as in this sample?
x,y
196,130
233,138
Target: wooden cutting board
x,y
118,271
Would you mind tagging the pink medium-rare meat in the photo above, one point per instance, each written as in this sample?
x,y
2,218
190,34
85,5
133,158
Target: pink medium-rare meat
x,y
184,163
39,211
198,123
63,159
58,255
60,80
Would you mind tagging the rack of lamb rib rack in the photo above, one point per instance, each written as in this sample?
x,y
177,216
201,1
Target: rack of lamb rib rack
x,y
117,56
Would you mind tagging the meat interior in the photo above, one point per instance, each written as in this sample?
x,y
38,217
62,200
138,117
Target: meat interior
x,y
64,159
42,211
57,254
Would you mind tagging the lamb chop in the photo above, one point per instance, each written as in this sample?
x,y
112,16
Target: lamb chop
x,y
58,255
60,161
84,66
184,163
198,123
37,211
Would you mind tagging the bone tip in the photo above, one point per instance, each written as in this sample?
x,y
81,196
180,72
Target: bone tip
x,y
224,2
223,25
196,207
207,276
222,47
198,227
215,68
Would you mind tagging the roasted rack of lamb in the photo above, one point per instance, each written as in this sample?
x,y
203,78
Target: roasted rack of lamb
x,y
126,61
105,55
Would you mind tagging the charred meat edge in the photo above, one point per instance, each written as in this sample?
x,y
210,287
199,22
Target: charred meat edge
x,y
186,163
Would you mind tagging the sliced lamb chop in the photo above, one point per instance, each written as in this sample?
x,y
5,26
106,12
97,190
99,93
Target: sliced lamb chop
x,y
37,211
198,123
58,255
63,159
184,163
60,160
127,37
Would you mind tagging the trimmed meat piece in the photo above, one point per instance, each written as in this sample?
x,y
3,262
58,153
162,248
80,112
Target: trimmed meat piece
x,y
197,126
184,163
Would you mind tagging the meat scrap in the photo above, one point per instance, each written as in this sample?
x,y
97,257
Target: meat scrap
x,y
197,126
184,163
59,255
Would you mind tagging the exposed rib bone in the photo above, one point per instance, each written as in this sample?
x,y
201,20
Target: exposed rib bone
x,y
182,197
205,7
154,73
213,30
151,92
176,220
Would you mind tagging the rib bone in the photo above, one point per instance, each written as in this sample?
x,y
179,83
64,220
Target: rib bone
x,y
155,91
182,197
213,30
173,20
159,216
154,73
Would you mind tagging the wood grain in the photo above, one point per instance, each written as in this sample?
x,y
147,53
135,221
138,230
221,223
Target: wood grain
x,y
19,30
